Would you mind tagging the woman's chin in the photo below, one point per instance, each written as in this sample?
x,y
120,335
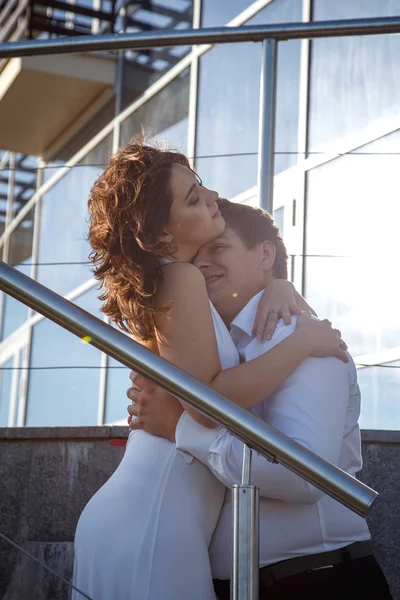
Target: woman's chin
x,y
219,224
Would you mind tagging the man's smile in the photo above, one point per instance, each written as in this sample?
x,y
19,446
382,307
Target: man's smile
x,y
212,278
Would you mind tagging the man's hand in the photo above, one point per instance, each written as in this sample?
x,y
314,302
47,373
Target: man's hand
x,y
156,411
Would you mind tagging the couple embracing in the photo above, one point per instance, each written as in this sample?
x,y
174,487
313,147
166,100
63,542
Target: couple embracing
x,y
202,282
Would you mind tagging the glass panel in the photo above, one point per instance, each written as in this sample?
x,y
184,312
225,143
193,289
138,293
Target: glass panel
x,y
20,256
4,176
143,67
380,407
51,168
117,383
63,249
343,9
165,115
63,395
279,218
5,391
354,80
218,13
227,121
351,253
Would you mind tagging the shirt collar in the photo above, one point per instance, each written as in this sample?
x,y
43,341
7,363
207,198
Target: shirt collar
x,y
245,319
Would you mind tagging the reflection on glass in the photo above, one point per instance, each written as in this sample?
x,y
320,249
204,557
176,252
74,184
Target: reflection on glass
x,y
116,400
228,112
5,391
100,153
278,218
353,246
64,224
380,406
356,9
63,249
63,395
354,80
144,67
51,168
164,116
20,257
117,383
214,13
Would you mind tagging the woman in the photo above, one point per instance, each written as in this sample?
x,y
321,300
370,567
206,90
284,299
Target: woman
x,y
150,214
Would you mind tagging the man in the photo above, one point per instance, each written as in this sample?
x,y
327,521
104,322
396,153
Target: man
x,y
310,545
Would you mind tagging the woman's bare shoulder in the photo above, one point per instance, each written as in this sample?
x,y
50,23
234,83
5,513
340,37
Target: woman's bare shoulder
x,y
181,280
182,274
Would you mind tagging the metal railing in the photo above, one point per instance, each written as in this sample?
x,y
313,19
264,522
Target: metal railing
x,y
259,436
273,445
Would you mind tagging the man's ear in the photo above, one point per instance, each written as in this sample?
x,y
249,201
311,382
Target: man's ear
x,y
268,255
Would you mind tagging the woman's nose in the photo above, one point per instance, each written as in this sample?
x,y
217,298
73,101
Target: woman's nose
x,y
212,197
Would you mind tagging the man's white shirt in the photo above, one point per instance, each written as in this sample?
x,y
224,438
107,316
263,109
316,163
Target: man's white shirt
x,y
318,405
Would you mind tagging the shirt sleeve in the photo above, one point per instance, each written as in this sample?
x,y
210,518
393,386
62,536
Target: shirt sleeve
x,y
310,408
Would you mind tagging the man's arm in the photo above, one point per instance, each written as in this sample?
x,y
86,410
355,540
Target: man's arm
x,y
311,409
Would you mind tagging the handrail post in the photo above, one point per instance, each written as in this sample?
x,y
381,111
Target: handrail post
x,y
245,535
266,127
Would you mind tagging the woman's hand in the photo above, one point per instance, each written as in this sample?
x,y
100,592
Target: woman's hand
x,y
320,338
280,300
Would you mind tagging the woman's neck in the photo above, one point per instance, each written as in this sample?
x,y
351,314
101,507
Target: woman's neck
x,y
184,254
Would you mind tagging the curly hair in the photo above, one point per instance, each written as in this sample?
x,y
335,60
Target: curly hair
x,y
129,206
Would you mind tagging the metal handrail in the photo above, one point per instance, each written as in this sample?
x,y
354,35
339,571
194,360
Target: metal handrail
x,y
275,446
207,35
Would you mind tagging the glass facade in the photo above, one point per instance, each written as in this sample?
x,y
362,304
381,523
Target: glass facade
x,y
20,257
6,374
227,119
354,81
164,116
336,201
64,378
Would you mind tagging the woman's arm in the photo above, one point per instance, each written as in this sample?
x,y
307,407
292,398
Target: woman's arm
x,y
279,300
187,339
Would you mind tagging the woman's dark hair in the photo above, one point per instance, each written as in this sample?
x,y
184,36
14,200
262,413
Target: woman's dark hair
x,y
255,226
129,207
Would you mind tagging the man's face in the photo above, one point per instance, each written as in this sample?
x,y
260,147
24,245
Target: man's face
x,y
233,273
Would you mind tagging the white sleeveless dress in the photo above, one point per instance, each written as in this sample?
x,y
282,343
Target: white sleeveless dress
x,y
145,534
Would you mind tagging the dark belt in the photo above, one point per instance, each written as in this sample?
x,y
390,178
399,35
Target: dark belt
x,y
271,574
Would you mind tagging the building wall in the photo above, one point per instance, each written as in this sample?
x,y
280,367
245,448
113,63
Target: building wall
x,y
49,474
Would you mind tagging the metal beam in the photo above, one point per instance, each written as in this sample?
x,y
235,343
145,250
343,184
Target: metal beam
x,y
266,440
212,35
266,125
74,8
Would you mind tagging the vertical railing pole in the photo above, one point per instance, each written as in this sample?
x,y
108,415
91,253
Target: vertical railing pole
x,y
245,497
266,128
245,536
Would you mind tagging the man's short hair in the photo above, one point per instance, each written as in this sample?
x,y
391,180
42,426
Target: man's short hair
x,y
255,226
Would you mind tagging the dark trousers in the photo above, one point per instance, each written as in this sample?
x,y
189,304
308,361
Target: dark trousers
x,y
354,580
